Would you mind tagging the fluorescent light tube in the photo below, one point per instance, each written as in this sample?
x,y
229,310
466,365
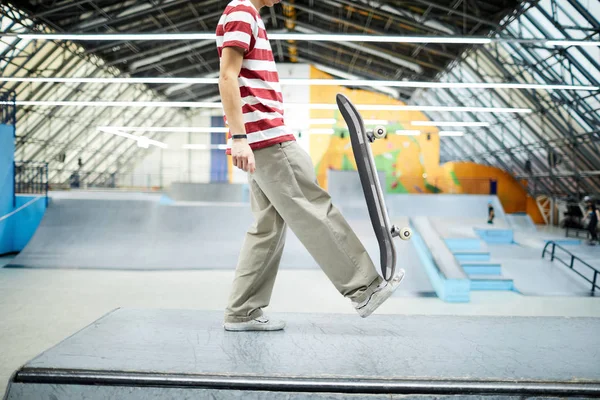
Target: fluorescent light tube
x,y
167,129
376,121
117,36
324,131
204,146
308,82
141,141
582,43
272,36
451,133
331,106
299,37
322,121
450,123
408,132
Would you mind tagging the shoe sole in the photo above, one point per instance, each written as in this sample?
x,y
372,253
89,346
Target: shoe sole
x,y
252,328
380,297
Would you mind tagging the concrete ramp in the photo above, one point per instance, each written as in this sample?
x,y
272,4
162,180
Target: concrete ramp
x,y
444,205
345,188
212,192
144,235
521,222
113,232
185,354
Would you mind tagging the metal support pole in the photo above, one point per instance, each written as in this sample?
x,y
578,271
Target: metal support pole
x,y
189,159
160,169
552,205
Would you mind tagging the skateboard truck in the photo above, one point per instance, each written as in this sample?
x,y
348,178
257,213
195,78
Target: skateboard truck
x,y
404,233
378,133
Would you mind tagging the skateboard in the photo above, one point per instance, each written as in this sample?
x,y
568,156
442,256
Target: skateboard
x,y
365,163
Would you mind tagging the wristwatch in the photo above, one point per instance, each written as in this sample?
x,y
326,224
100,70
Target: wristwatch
x,y
240,136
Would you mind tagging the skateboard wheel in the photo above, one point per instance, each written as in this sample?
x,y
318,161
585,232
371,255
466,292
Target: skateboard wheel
x,y
405,233
379,132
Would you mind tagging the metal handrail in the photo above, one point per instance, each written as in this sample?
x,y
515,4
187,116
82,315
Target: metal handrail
x,y
572,262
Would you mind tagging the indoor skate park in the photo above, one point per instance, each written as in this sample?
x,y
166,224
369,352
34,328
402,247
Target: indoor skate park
x,y
122,217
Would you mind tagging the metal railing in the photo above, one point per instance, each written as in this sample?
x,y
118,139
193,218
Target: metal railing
x,y
571,263
30,177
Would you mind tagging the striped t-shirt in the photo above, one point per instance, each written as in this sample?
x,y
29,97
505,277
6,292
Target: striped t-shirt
x,y
262,101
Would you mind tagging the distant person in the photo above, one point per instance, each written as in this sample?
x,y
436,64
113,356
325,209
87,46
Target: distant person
x,y
74,180
283,186
491,213
592,216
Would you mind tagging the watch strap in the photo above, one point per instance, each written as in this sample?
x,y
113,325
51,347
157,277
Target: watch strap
x,y
240,136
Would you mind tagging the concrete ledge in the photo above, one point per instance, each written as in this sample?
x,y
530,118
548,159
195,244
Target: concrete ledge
x,y
496,235
481,268
491,283
183,351
472,255
450,282
455,244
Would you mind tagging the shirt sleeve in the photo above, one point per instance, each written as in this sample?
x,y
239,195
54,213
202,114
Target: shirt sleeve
x,y
238,28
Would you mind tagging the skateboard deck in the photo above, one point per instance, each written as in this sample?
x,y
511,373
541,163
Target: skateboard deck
x,y
361,146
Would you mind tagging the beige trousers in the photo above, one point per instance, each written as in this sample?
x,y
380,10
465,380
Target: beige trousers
x,y
284,191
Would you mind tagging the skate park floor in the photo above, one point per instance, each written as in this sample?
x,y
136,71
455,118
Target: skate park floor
x,y
40,307
533,275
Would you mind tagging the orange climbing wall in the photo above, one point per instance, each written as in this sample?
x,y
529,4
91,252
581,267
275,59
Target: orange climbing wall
x,y
409,162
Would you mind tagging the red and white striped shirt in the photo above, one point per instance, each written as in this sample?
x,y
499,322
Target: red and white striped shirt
x,y
262,100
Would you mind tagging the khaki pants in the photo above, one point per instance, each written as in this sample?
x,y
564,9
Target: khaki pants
x,y
284,191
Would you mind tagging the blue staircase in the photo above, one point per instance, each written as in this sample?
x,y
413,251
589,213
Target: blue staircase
x,y
475,260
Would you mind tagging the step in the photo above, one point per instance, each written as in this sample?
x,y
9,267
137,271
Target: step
x,y
481,268
471,255
458,244
496,235
485,282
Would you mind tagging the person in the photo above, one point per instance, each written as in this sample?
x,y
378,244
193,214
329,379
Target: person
x,y
592,216
283,186
491,213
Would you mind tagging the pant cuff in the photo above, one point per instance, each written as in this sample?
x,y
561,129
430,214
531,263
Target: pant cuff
x,y
366,293
236,318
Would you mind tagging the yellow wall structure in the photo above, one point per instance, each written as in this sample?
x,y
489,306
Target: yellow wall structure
x,y
411,163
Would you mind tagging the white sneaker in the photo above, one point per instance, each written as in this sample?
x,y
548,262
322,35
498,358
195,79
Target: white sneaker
x,y
379,295
262,323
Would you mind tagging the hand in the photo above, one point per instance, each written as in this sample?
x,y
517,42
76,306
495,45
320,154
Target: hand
x,y
242,155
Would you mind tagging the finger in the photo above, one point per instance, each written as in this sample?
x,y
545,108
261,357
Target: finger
x,y
251,164
235,160
245,164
